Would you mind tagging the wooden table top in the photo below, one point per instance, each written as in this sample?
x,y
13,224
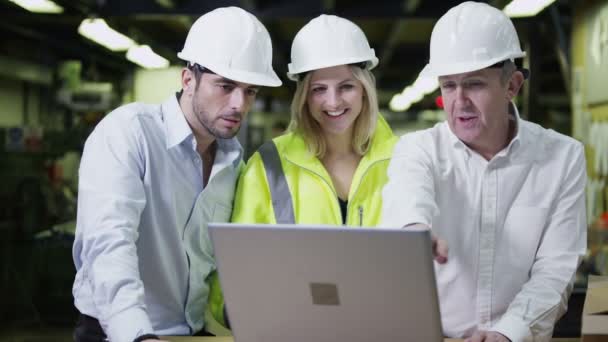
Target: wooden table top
x,y
229,339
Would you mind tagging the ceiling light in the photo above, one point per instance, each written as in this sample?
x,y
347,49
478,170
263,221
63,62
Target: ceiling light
x,y
413,93
399,103
98,31
526,8
39,6
426,85
143,56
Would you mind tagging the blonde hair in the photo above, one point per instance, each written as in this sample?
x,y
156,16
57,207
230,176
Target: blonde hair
x,y
302,121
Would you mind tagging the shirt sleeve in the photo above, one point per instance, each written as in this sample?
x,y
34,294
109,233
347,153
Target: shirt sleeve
x,y
252,201
544,298
409,195
111,199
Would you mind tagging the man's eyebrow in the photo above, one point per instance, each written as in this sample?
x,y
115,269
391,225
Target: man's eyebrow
x,y
474,74
225,80
234,83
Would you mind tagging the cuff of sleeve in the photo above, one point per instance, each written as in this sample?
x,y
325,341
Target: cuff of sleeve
x,y
128,325
514,328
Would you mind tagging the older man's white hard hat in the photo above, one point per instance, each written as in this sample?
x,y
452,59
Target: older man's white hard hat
x,y
469,37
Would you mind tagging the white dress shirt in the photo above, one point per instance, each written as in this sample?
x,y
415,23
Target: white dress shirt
x,y
142,250
515,225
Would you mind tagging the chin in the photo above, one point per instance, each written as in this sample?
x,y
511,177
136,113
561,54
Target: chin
x,y
226,134
336,131
467,135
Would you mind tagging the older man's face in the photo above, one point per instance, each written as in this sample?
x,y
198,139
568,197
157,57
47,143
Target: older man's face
x,y
476,104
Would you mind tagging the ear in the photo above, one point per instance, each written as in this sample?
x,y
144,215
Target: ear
x,y
514,85
188,82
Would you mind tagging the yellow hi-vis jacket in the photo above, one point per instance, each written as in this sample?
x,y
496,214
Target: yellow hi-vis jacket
x,y
313,196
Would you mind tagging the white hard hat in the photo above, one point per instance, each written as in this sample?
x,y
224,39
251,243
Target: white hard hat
x,y
327,41
232,43
471,36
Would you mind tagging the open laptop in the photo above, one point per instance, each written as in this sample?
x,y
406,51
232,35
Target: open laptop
x,y
303,283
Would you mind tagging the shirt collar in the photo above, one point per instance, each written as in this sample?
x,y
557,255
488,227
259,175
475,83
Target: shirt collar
x,y
176,125
516,141
229,151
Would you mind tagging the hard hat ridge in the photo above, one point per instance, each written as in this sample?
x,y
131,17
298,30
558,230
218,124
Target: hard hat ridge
x,y
232,43
327,41
471,36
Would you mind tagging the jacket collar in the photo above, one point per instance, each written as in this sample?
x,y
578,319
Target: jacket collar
x,y
294,148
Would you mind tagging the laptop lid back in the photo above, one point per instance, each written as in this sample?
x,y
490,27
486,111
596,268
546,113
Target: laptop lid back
x,y
302,283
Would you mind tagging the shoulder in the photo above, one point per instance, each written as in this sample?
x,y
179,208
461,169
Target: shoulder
x,y
552,144
286,140
424,140
127,119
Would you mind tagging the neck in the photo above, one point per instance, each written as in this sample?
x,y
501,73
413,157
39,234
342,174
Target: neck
x,y
340,145
204,139
498,142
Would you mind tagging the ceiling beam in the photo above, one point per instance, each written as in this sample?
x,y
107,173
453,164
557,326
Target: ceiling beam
x,y
68,46
389,47
328,6
249,5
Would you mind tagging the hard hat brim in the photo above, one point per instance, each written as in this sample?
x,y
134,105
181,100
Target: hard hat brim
x,y
242,76
436,70
293,74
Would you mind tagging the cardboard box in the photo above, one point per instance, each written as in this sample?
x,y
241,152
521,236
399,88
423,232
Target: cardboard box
x,y
595,310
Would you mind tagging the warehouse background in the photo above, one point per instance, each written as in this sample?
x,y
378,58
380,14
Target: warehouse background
x,y
55,85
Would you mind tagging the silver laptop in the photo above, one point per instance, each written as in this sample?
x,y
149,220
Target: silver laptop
x,y
303,283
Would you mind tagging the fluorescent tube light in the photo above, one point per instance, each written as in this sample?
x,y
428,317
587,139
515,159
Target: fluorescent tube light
x,y
526,8
39,6
98,31
143,56
413,94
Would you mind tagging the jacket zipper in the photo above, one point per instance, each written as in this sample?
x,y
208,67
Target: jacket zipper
x,y
354,193
360,208
360,216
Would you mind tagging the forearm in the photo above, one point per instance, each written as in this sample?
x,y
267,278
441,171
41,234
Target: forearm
x,y
111,258
409,195
541,302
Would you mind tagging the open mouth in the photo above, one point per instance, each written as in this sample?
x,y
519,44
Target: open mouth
x,y
335,114
467,119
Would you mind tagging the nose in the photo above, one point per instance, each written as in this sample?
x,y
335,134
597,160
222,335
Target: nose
x,y
238,100
461,98
333,99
